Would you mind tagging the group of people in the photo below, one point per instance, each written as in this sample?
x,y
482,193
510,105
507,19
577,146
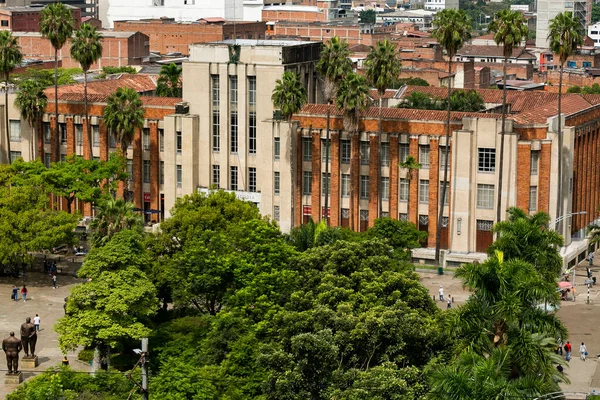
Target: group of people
x,y
50,268
449,299
15,293
568,348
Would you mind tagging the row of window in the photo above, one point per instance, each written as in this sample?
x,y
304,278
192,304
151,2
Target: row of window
x,y
234,176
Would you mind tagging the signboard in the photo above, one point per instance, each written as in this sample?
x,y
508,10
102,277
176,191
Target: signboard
x,y
307,210
146,197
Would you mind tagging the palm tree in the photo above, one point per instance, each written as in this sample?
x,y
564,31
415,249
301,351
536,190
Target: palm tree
x,y
114,215
31,101
451,29
169,81
383,67
333,65
123,115
594,233
289,95
86,48
564,36
510,29
56,24
353,98
10,57
410,165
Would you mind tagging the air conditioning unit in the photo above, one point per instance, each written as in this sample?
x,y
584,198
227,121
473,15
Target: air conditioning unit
x,y
182,108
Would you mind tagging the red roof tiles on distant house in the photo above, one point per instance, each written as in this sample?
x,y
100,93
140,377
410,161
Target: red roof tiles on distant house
x,y
494,51
103,88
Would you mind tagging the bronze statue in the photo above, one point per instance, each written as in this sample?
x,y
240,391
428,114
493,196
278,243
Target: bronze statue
x,y
28,337
12,346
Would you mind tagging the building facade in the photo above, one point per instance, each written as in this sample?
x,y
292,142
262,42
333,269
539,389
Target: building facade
x,y
27,18
548,9
88,8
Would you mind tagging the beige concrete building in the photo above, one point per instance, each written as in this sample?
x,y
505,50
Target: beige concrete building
x,y
230,139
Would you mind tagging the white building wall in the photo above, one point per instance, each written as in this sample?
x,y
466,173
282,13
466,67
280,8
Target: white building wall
x,y
436,5
594,33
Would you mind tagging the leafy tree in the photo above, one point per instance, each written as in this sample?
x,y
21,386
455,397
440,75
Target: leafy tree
x,y
117,70
289,95
309,235
575,89
367,17
56,25
86,48
595,13
114,215
403,236
45,77
31,102
466,101
510,29
594,233
169,81
410,82
594,89
383,68
419,101
451,29
10,57
529,239
123,115
565,35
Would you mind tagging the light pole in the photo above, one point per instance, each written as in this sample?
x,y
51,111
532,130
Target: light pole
x,y
552,224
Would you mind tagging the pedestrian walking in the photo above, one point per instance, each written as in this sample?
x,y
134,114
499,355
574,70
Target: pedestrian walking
x,y
591,258
449,302
54,281
36,322
24,293
15,293
582,351
568,350
441,292
560,346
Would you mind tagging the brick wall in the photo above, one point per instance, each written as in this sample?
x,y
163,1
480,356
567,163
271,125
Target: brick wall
x,y
434,183
374,178
523,175
298,16
335,179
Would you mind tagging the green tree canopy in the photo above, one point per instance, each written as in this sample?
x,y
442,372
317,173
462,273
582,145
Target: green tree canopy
x,y
289,94
169,82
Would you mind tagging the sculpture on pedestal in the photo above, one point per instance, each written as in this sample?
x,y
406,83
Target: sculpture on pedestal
x,y
12,346
29,338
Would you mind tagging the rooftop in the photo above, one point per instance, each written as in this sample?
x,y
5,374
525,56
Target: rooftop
x,y
494,51
106,34
99,90
291,7
256,42
30,8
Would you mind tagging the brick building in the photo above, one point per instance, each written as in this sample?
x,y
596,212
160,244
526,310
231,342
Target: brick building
x,y
118,49
166,35
27,18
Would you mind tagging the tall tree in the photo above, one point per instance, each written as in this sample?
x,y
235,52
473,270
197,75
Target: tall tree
x,y
114,215
289,95
410,165
56,25
31,102
383,67
123,115
353,98
333,66
510,29
169,81
564,37
86,48
10,57
451,29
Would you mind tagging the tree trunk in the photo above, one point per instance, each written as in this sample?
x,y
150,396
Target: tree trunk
x,y
559,203
87,117
438,230
6,119
502,134
325,213
56,133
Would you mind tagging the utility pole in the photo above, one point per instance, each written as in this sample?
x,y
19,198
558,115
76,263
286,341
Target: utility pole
x,y
144,368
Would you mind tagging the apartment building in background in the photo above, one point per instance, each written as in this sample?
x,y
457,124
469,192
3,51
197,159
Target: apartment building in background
x,y
548,9
27,18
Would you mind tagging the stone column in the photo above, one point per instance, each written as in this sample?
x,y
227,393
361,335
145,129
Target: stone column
x,y
374,177
316,176
394,165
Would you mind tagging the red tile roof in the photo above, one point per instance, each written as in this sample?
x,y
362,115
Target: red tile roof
x,y
540,114
102,88
493,51
389,94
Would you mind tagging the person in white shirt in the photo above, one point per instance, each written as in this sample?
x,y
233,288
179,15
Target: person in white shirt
x,y
582,351
441,291
36,322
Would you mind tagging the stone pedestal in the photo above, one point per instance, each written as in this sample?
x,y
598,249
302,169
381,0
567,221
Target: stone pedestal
x,y
13,379
29,362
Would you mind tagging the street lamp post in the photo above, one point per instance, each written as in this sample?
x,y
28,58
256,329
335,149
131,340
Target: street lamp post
x,y
552,226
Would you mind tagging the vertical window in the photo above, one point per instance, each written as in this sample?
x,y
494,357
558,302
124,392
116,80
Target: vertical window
x,y
178,142
307,149
533,196
14,156
385,188
404,189
63,156
216,116
325,151
47,159
63,133
535,162
447,194
79,134
276,148
179,176
404,152
233,120
364,186
346,151
252,114
443,157
345,185
146,171
276,213
233,178
276,182
307,182
424,156
385,154
216,175
146,139
161,139
112,141
325,184
47,132
485,196
364,153
96,135
130,170
15,130
487,160
423,191
161,173
252,179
